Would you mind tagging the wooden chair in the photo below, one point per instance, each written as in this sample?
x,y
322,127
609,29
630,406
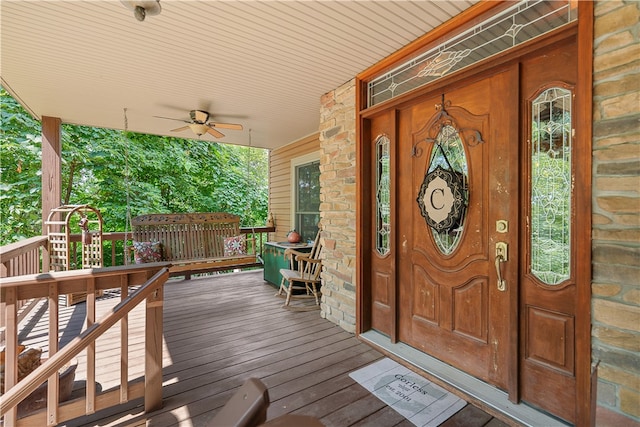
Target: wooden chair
x,y
246,408
305,276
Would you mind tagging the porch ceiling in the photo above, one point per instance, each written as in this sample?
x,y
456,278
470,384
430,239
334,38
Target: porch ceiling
x,y
264,64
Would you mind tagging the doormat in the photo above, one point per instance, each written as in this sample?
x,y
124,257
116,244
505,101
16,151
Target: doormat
x,y
420,401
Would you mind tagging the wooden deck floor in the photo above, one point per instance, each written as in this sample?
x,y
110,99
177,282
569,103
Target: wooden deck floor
x,y
221,330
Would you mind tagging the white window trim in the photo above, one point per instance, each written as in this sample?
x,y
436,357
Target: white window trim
x,y
295,162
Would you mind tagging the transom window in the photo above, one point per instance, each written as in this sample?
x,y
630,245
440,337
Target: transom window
x,y
520,22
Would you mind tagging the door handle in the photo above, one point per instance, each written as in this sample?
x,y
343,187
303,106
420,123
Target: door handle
x,y
501,256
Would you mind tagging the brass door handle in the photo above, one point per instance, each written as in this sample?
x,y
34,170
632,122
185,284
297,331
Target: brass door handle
x,y
502,284
501,256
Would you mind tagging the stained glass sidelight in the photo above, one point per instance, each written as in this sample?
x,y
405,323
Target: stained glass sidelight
x,y
550,232
383,196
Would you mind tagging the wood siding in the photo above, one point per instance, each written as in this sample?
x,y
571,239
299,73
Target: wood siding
x,y
280,182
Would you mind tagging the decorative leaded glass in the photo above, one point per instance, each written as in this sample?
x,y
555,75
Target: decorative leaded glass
x,y
551,186
444,193
523,21
383,196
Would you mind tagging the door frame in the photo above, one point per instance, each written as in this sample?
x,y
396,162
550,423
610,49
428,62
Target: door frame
x,y
583,30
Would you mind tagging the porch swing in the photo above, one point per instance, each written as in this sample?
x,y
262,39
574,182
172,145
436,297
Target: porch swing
x,y
194,243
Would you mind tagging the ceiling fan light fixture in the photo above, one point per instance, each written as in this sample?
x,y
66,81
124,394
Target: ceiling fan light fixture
x,y
198,129
139,13
142,8
199,116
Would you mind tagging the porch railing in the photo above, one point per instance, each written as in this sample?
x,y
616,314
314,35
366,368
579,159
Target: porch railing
x,y
30,256
24,257
152,278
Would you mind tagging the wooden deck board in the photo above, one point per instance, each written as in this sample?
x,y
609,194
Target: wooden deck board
x,y
385,416
354,412
223,329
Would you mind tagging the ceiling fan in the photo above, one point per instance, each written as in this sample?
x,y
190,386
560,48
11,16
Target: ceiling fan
x,y
200,124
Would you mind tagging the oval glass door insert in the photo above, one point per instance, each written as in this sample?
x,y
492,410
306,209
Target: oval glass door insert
x,y
444,194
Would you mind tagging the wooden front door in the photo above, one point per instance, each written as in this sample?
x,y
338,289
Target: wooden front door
x,y
495,293
450,305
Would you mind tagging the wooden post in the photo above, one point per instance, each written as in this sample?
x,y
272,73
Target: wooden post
x,y
51,169
11,356
153,351
53,387
91,348
124,342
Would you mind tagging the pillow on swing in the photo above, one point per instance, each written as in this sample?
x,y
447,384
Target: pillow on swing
x,y
147,252
236,245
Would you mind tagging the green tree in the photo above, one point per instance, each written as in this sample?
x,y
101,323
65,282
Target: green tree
x,y
20,172
118,172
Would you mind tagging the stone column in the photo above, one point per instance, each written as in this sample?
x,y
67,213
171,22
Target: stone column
x,y
338,205
616,211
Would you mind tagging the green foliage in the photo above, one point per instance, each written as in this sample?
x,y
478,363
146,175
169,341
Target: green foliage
x,y
20,172
116,171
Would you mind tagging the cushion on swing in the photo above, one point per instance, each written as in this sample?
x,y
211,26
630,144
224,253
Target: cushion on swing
x,y
236,245
147,252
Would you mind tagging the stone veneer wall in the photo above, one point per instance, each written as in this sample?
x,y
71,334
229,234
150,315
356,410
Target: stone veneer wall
x,y
616,210
338,205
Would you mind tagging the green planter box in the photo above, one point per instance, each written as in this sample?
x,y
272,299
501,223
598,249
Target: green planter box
x,y
273,256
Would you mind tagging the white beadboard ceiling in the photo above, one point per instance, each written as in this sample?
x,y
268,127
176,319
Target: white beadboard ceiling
x,y
263,64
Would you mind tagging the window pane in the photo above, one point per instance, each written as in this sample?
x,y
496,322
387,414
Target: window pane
x,y
307,226
443,196
309,187
383,199
518,23
551,186
307,203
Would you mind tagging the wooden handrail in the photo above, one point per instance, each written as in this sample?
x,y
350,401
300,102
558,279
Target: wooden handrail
x,y
54,363
263,236
13,250
30,256
35,285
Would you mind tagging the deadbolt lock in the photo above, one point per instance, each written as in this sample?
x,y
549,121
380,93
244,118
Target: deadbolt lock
x,y
502,226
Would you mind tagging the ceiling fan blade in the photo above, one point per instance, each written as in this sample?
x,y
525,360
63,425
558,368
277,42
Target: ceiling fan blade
x,y
215,133
231,126
171,118
180,129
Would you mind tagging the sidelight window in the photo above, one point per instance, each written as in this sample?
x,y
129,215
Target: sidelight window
x,y
550,191
383,196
